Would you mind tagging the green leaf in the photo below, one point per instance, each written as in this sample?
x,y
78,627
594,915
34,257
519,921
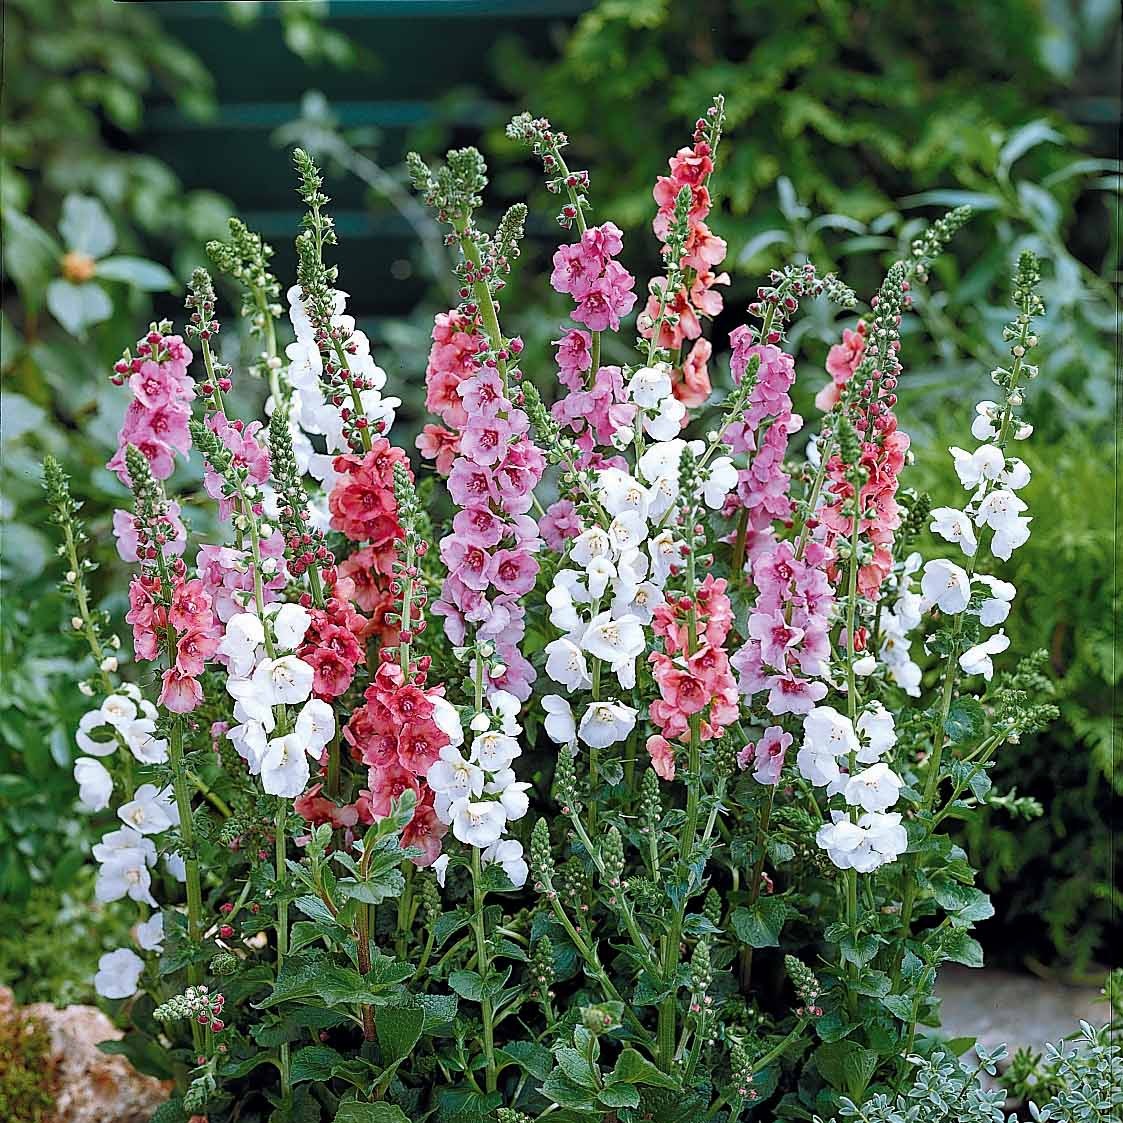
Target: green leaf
x,y
76,307
148,276
305,977
440,1010
576,1067
899,1005
958,947
619,1095
535,1059
759,925
399,1028
31,256
370,1113
965,721
634,1068
86,227
846,1066
966,904
472,986
314,1062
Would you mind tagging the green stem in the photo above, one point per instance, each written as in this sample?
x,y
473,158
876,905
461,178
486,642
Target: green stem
x,y
281,872
483,966
754,889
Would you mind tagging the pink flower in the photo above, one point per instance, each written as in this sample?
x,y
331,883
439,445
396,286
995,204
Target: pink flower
x,y
559,524
425,832
125,531
692,383
434,442
574,357
194,648
513,572
180,692
191,607
768,754
607,300
577,268
662,755
791,695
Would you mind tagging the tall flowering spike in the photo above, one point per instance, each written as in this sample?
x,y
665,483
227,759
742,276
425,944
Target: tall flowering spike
x,y
245,258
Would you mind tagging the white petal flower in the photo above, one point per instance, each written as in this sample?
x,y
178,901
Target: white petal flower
x,y
494,750
616,642
243,636
600,572
620,492
454,777
627,531
479,824
667,423
150,933
945,585
289,625
985,463
447,719
506,707
1013,534
1017,474
639,601
95,785
284,767
250,740
563,614
559,723
976,660
875,788
818,766
996,607
140,736
954,525
287,679
650,385
509,854
150,811
605,723
565,664
104,745
873,841
118,973
826,730
666,551
985,425
875,725
118,710
440,869
592,543
722,480
315,725
999,509
661,460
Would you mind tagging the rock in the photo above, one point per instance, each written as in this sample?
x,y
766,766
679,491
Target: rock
x,y
91,1086
999,1007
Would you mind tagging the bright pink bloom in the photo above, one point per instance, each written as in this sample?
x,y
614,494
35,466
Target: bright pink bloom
x,y
180,692
662,755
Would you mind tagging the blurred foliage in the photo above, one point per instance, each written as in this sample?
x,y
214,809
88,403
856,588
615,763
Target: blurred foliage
x,y
26,1081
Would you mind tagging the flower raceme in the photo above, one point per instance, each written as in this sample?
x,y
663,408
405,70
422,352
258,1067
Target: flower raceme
x,y
705,642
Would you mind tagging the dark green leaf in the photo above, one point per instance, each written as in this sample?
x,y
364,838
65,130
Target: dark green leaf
x,y
759,925
398,1029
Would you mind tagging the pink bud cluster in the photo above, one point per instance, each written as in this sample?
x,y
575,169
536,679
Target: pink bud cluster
x,y
395,734
883,450
247,455
762,433
692,672
156,419
452,358
703,251
490,552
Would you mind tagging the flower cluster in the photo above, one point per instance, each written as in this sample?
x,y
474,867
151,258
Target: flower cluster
x,y
156,418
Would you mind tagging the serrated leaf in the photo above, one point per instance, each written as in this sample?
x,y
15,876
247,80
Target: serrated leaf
x,y
759,925
370,1113
314,1062
959,947
398,1028
965,721
634,1068
619,1095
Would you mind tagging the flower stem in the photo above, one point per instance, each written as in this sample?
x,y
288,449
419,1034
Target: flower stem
x,y
483,966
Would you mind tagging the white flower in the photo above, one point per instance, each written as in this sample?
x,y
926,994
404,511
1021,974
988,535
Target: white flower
x,y
243,636
289,625
95,719
984,427
250,741
985,463
873,841
661,460
118,710
287,679
650,385
143,743
976,660
667,423
616,642
875,724
150,811
118,973
453,778
479,824
954,525
996,607
125,856
865,665
895,654
95,785
176,866
315,725
563,615
1017,474
494,751
1013,534
506,707
592,543
559,723
252,702
284,767
509,854
150,933
565,664
722,480
818,766
876,788
639,601
600,572
440,869
605,723
511,792
447,719
620,492
627,531
826,730
946,585
999,509
666,551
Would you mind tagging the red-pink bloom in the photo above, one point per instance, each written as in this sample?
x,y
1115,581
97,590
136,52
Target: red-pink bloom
x,y
424,831
194,648
662,755
692,381
181,693
767,755
574,357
